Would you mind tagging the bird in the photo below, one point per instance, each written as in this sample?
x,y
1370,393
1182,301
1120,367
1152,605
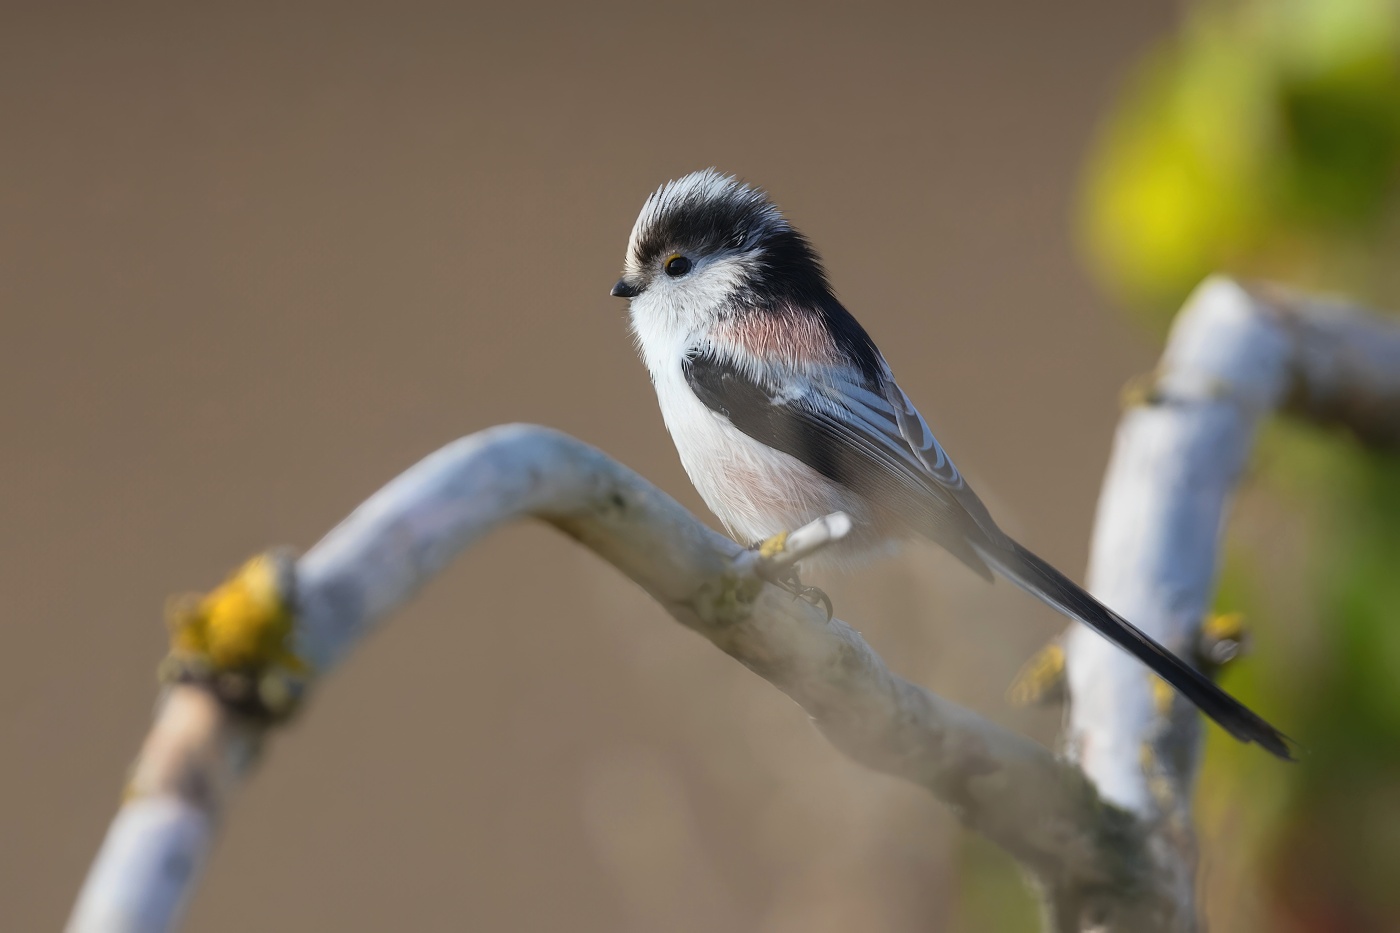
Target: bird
x,y
783,409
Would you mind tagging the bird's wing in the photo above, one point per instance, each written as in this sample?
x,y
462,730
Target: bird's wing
x,y
852,433
915,433
870,439
1040,579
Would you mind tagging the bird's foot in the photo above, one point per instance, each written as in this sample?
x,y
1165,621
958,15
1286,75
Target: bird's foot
x,y
785,576
817,597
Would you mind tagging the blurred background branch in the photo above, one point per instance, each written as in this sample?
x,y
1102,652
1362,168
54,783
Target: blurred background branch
x,y
1234,357
1262,139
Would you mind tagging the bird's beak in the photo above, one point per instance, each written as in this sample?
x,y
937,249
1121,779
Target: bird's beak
x,y
625,289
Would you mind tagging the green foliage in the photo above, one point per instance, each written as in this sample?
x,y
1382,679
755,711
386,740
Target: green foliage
x,y
992,894
1337,849
1264,140
1317,842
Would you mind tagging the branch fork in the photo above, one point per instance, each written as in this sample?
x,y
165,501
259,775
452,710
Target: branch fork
x,y
1105,833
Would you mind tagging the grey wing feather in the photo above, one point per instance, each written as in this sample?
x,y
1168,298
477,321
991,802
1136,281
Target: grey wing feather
x,y
872,440
850,432
935,461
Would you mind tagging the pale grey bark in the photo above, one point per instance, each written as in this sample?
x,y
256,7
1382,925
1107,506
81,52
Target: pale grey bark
x,y
1235,356
1006,786
1110,849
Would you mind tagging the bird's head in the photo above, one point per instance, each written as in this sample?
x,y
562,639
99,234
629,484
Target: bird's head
x,y
707,245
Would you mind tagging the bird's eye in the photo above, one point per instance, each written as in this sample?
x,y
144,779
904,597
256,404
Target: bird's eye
x,y
677,266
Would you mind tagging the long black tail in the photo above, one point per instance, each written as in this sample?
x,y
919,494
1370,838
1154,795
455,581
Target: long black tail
x,y
1043,581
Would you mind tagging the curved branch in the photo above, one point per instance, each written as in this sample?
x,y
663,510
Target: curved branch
x,y
1110,843
1009,788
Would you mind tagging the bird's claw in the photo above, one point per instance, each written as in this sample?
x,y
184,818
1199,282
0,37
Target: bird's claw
x,y
816,597
785,578
790,583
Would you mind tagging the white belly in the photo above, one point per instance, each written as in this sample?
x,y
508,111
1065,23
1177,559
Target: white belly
x,y
754,490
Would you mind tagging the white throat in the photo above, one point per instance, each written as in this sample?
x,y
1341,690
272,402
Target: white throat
x,y
672,315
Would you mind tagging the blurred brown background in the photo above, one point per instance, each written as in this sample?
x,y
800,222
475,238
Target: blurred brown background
x,y
255,259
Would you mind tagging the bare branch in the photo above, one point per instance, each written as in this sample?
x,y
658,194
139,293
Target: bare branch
x,y
1110,844
1001,784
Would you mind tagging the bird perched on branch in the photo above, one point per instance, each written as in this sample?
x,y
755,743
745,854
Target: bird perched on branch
x,y
783,410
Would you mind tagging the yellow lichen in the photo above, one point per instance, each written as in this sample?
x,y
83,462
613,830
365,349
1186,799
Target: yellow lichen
x,y
1159,785
1224,626
1138,391
244,623
1223,638
1041,679
1163,695
239,639
773,546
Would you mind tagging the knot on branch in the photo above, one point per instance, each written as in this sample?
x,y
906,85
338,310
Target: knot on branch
x,y
237,640
728,599
1140,391
1224,638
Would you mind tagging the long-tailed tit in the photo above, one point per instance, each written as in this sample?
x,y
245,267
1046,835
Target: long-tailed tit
x,y
783,410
